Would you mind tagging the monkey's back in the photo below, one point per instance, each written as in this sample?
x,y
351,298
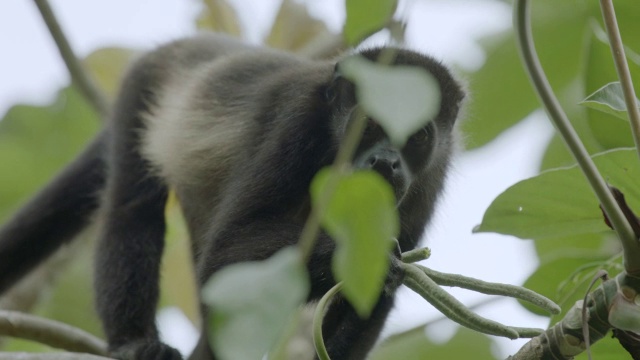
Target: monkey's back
x,y
212,104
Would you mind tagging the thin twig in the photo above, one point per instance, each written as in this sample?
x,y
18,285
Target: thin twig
x,y
571,139
620,59
78,75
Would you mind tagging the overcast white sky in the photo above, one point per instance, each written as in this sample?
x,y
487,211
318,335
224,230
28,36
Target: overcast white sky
x,y
31,71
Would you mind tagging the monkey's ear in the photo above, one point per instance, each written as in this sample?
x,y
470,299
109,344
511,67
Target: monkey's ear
x,y
331,91
340,90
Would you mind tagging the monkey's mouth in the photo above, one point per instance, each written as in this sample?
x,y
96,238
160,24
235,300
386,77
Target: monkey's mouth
x,y
400,192
398,182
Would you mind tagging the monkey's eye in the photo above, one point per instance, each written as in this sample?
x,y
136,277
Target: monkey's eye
x,y
372,127
423,135
330,93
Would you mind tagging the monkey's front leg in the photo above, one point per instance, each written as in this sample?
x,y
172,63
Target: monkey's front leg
x,y
130,249
127,270
346,334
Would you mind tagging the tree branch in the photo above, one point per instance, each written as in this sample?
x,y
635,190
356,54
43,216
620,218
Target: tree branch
x,y
78,75
50,356
49,332
566,338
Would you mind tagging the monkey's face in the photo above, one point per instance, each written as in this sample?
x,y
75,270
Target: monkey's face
x,y
399,166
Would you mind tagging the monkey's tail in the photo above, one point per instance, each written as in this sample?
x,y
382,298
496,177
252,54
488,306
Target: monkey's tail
x,y
54,216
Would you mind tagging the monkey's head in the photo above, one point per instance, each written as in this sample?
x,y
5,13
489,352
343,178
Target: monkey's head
x,y
426,153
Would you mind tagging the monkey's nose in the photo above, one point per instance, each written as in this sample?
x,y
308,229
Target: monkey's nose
x,y
385,164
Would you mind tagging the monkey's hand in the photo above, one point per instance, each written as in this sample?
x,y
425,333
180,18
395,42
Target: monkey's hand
x,y
146,350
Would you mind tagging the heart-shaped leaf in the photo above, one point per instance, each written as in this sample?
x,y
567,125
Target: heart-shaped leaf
x,y
252,303
402,99
362,218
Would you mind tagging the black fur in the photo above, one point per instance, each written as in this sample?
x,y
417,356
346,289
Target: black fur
x,y
276,120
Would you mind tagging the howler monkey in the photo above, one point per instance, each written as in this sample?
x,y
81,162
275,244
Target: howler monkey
x,y
238,132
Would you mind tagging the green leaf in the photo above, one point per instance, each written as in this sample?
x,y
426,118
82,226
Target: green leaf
x,y
556,154
599,131
365,17
402,99
609,99
501,92
252,303
627,14
362,218
415,345
36,142
560,203
551,248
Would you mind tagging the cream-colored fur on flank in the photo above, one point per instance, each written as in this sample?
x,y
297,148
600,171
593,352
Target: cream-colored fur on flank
x,y
189,142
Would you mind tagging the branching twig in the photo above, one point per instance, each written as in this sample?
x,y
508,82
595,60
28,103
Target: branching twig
x,y
422,284
571,139
78,75
49,332
419,279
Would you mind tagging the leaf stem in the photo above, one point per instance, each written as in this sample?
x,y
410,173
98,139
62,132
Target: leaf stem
x,y
342,164
321,310
78,75
532,63
620,59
